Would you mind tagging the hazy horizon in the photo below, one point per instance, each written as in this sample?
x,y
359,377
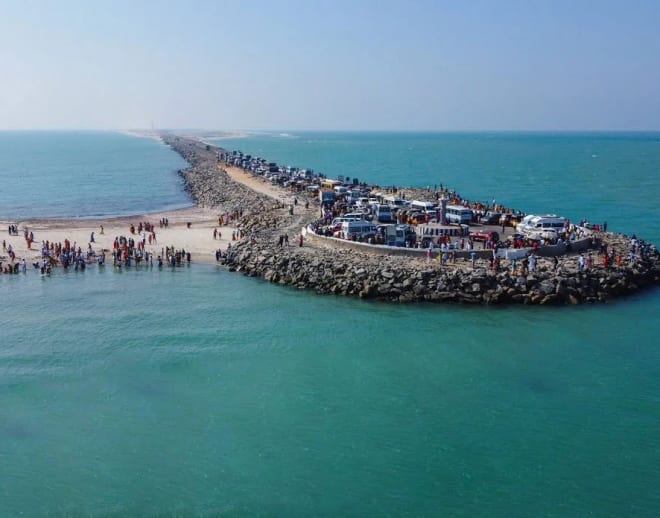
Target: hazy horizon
x,y
237,133
427,66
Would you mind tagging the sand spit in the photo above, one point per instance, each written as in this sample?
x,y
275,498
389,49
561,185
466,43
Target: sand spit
x,y
251,226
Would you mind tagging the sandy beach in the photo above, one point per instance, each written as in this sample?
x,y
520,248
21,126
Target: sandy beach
x,y
198,239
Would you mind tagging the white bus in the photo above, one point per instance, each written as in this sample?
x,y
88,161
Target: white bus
x,y
459,215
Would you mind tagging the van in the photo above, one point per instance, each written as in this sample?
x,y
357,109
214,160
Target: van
x,y
354,216
336,223
525,221
326,197
383,213
399,235
422,206
357,229
430,232
394,202
458,215
548,223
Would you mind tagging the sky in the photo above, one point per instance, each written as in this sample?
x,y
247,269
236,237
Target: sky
x,y
330,65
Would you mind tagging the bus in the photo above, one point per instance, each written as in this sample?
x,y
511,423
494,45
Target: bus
x,y
458,215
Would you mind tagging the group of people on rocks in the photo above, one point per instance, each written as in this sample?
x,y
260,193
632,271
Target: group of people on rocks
x,y
228,218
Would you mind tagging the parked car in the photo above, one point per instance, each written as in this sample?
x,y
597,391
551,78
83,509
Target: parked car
x,y
490,218
510,220
484,235
419,217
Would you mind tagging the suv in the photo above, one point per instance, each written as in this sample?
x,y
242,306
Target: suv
x,y
490,218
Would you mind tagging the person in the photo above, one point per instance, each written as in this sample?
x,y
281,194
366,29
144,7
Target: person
x,y
91,237
473,258
101,232
300,240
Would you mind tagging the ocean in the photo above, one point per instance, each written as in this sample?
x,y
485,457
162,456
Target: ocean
x,y
202,392
66,174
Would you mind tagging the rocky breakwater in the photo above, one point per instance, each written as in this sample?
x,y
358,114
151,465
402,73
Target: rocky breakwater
x,y
328,270
401,279
210,186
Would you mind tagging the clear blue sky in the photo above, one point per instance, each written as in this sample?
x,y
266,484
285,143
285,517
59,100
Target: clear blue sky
x,y
379,65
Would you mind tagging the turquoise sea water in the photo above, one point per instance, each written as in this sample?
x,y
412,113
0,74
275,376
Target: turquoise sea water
x,y
86,174
609,177
201,392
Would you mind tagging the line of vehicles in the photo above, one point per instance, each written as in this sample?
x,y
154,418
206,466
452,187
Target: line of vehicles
x,y
378,222
375,215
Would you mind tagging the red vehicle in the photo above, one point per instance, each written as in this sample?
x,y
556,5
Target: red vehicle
x,y
484,235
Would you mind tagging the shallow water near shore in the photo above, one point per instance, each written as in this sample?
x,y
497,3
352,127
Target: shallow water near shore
x,y
198,391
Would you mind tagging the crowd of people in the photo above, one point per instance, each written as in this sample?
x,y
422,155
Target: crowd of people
x,y
127,251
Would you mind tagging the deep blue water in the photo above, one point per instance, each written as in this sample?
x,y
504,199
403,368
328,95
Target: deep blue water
x,y
202,392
